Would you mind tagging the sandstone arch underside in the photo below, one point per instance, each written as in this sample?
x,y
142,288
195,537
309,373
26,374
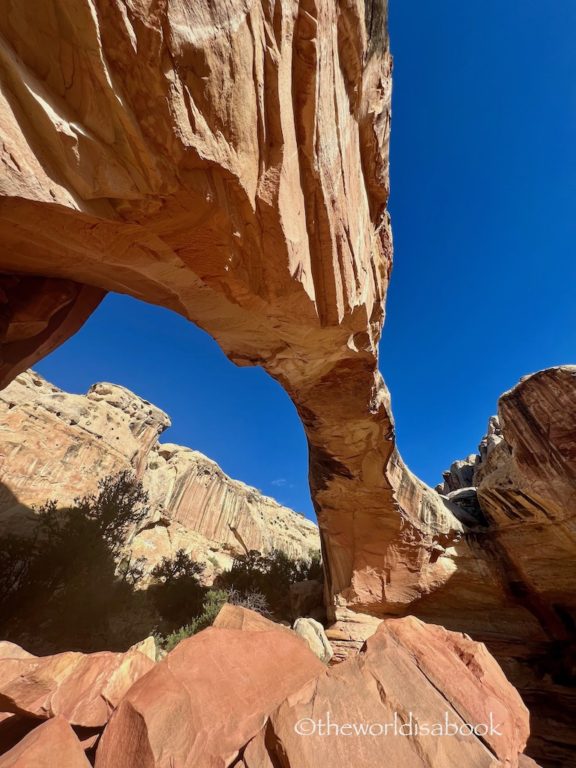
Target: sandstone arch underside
x,y
229,160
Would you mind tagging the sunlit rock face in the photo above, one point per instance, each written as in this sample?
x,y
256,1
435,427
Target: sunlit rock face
x,y
229,161
525,481
55,445
527,487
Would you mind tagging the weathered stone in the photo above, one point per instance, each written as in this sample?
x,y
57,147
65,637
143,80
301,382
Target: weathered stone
x,y
238,617
50,745
147,647
460,475
236,173
57,445
200,705
313,632
527,490
83,688
410,673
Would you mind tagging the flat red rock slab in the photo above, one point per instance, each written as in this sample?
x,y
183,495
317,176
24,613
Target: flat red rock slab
x,y
52,745
207,699
84,688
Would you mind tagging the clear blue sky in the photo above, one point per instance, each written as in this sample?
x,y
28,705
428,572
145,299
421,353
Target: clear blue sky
x,y
484,283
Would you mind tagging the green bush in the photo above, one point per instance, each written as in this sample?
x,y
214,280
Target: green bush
x,y
214,600
178,592
64,582
270,575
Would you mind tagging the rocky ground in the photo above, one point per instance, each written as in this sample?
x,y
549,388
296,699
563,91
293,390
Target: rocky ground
x,y
248,692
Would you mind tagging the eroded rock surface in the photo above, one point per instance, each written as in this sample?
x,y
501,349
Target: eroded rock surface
x,y
84,688
211,694
55,445
525,482
51,744
527,488
229,160
409,674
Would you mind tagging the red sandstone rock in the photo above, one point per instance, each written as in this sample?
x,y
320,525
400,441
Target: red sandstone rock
x,y
527,489
83,688
210,695
409,674
51,745
237,617
13,728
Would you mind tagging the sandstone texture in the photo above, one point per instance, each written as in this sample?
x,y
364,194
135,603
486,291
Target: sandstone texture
x,y
237,617
527,490
84,688
55,445
524,480
228,160
233,695
409,674
209,696
49,745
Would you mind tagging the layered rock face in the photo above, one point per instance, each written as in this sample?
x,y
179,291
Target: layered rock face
x,y
527,490
54,445
229,160
524,478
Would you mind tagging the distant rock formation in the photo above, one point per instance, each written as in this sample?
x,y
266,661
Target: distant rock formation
x,y
55,445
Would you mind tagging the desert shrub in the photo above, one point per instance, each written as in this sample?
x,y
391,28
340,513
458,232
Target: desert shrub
x,y
214,600
64,581
254,601
271,576
178,593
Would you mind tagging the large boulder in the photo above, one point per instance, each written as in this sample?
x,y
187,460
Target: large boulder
x,y
313,632
51,745
373,709
237,617
210,695
83,688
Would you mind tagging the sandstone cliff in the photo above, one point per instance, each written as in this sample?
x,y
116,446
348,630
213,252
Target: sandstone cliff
x,y
55,445
524,480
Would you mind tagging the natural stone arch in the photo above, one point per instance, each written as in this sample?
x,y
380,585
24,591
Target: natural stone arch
x,y
229,161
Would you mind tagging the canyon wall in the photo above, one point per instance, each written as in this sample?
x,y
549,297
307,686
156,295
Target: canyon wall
x,y
523,481
55,445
